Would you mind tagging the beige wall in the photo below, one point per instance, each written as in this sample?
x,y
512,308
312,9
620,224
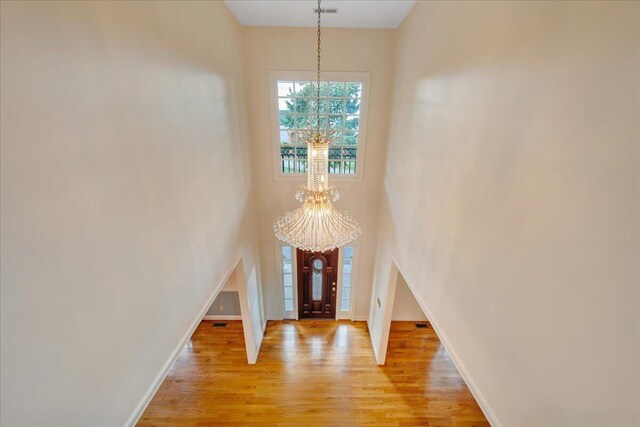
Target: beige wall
x,y
271,48
510,203
405,306
125,190
512,181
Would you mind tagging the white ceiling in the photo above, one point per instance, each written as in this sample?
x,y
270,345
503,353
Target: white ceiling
x,y
299,13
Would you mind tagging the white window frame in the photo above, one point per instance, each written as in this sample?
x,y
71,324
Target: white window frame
x,y
349,314
327,76
294,268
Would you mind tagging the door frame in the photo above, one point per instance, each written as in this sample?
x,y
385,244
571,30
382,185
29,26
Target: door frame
x,y
327,285
340,315
351,313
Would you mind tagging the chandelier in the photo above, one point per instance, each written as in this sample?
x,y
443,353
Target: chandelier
x,y
317,225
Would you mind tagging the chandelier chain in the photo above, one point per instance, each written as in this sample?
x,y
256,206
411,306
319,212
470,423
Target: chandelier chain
x,y
317,225
318,82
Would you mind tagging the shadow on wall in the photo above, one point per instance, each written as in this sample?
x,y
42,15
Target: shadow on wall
x,y
225,306
163,41
163,37
405,305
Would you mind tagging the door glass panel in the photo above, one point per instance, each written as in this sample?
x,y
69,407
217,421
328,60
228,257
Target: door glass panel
x,y
316,280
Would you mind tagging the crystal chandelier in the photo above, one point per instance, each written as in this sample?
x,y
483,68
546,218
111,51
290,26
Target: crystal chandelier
x,y
317,225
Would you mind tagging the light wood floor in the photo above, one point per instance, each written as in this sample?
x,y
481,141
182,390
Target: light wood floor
x,y
313,373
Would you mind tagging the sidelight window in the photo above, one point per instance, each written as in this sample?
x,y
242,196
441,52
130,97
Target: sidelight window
x,y
287,277
347,274
343,99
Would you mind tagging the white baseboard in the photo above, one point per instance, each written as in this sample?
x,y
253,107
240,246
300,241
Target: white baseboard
x,y
409,319
373,344
252,359
466,377
135,417
259,344
222,317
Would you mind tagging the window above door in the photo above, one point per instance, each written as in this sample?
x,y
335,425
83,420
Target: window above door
x,y
343,108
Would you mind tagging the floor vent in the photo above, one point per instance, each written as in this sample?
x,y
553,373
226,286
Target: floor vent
x,y
422,325
219,324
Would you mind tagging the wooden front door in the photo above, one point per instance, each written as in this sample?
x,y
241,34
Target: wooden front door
x,y
317,274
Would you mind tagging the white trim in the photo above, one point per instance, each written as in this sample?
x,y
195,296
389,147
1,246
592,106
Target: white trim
x,y
279,275
360,319
288,315
462,370
339,287
355,264
222,317
290,75
294,269
355,268
373,346
135,417
253,347
387,312
409,319
231,288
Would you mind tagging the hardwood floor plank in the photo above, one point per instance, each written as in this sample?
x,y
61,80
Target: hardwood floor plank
x,y
313,372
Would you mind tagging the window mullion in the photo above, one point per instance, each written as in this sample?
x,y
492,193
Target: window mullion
x,y
302,116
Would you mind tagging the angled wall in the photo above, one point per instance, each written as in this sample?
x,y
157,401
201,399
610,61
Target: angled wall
x,y
125,198
513,192
405,306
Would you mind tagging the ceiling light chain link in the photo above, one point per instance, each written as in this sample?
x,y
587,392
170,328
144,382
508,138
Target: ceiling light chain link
x,y
318,82
317,225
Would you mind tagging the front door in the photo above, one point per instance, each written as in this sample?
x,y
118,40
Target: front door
x,y
317,273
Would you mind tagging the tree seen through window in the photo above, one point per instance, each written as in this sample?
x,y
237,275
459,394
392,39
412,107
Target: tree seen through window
x,y
339,110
